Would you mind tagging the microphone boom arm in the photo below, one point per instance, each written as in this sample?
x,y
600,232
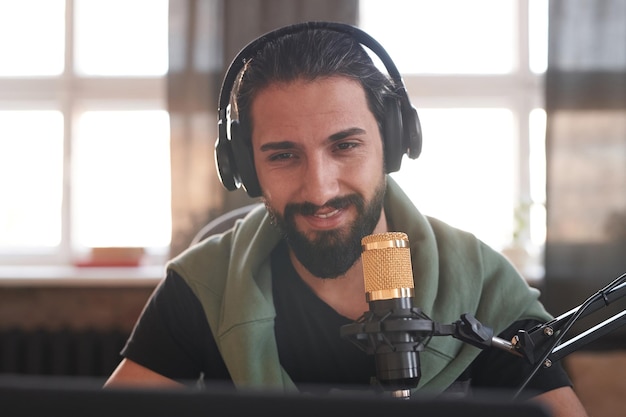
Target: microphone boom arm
x,y
531,343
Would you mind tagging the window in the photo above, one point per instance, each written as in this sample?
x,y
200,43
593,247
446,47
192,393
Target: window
x,y
84,134
474,72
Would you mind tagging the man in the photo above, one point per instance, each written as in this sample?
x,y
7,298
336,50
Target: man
x,y
262,304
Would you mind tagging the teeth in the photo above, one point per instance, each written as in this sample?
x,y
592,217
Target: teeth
x,y
327,215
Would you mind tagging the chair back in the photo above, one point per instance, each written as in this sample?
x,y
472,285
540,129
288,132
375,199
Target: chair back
x,y
222,223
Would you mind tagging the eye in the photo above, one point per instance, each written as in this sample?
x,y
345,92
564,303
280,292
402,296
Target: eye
x,y
342,146
281,156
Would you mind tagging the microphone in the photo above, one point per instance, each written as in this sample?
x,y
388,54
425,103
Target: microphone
x,y
393,329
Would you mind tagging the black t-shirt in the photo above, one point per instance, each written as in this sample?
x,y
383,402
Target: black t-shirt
x,y
173,338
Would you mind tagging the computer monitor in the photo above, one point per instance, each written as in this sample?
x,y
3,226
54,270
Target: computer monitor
x,y
21,397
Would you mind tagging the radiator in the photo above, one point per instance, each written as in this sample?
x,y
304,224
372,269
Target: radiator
x,y
87,353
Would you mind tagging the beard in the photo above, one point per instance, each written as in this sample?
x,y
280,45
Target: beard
x,y
330,253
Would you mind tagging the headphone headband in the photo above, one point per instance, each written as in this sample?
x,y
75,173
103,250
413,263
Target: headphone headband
x,y
251,48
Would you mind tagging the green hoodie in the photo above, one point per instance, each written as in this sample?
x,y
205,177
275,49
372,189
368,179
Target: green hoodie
x,y
454,273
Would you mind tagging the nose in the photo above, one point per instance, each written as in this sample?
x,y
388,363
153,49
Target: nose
x,y
320,181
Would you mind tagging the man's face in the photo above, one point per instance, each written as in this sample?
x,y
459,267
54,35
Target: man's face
x,y
319,158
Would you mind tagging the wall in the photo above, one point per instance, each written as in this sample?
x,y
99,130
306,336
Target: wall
x,y
52,307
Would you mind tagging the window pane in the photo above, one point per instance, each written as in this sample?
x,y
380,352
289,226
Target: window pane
x,y
537,157
31,178
121,37
465,172
121,179
445,36
537,169
32,36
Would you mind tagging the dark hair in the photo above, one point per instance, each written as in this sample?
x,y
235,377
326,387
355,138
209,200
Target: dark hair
x,y
309,55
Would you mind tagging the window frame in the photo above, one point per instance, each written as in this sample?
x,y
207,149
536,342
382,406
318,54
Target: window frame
x,y
521,91
71,93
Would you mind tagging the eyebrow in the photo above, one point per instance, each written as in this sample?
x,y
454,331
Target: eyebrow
x,y
273,146
346,133
287,144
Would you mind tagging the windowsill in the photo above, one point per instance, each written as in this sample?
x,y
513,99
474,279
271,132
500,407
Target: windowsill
x,y
72,276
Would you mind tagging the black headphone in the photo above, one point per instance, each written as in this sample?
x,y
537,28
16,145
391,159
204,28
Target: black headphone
x,y
234,159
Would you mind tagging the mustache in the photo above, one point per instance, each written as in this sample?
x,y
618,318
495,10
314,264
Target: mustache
x,y
306,208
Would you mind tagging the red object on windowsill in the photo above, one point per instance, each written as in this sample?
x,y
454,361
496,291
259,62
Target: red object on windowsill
x,y
112,257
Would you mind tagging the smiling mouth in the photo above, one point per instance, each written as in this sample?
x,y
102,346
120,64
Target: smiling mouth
x,y
326,215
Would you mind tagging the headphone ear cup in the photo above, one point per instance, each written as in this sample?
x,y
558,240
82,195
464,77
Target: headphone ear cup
x,y
225,163
393,135
413,133
244,159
